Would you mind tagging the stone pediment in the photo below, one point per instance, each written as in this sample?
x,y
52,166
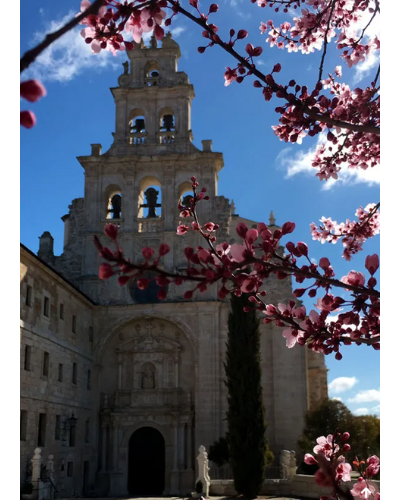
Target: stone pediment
x,y
149,344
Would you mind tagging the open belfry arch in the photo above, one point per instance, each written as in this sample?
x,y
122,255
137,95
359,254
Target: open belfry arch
x,y
145,369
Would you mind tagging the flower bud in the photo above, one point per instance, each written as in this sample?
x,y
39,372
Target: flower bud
x,y
242,34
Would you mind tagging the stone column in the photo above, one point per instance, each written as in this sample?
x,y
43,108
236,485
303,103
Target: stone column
x,y
119,372
104,447
115,446
181,446
175,472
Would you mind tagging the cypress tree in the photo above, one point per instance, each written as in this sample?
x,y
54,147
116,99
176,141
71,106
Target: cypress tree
x,y
245,417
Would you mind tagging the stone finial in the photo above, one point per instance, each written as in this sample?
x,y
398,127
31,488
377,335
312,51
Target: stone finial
x,y
46,245
153,42
169,34
36,465
203,477
272,219
207,145
96,149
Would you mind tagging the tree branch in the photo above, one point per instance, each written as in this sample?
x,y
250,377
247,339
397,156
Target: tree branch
x,y
321,66
29,56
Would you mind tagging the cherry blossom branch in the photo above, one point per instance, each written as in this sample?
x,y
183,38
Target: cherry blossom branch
x,y
274,87
321,66
377,76
332,282
369,22
29,56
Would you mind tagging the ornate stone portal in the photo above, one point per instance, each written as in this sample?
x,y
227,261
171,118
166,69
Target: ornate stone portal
x,y
155,364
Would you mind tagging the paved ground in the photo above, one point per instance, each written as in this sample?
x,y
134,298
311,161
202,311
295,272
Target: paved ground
x,y
182,498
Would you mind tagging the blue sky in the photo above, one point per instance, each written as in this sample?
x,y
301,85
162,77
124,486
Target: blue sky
x,y
260,174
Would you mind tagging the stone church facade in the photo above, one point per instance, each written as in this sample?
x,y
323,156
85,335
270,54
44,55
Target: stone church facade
x,y
115,383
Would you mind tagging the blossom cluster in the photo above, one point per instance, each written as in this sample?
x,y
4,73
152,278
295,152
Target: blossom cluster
x,y
245,267
322,22
334,469
32,91
352,233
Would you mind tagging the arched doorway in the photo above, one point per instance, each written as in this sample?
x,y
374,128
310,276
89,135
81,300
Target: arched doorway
x,y
146,466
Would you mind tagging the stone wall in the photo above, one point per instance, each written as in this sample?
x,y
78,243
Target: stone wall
x,y
47,391
299,486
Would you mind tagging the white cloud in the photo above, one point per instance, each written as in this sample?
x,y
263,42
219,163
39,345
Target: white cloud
x,y
301,163
342,384
363,69
337,399
366,396
70,56
361,411
376,410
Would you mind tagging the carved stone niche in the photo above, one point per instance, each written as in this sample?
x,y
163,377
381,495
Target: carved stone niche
x,y
149,363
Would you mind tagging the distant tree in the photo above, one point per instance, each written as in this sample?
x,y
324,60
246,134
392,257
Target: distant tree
x,y
366,436
246,423
332,414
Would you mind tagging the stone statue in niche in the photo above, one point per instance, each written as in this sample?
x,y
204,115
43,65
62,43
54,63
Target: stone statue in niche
x,y
126,67
148,378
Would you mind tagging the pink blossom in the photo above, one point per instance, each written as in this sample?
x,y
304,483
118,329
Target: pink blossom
x,y
105,271
324,446
111,230
291,337
343,471
230,76
363,489
32,90
237,252
372,263
354,278
309,459
373,466
147,253
27,119
182,229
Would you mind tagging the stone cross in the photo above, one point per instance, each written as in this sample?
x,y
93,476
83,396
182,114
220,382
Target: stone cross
x,y
202,461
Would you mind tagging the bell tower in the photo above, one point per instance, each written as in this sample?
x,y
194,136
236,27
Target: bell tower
x,y
138,183
153,100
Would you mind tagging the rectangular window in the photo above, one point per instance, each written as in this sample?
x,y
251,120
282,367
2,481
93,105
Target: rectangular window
x,y
60,372
23,425
70,469
73,324
89,376
46,307
87,431
42,429
57,431
46,357
28,298
72,435
61,311
74,373
27,362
